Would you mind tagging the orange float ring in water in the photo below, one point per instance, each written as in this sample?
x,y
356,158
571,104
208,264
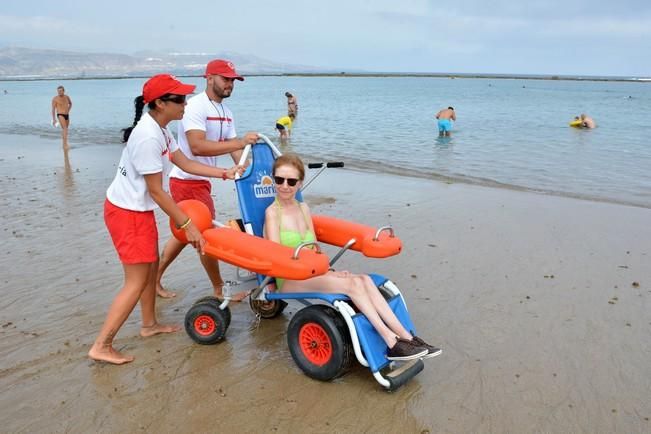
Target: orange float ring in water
x,y
198,213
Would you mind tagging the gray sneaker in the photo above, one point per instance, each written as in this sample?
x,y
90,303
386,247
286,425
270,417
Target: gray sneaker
x,y
405,350
432,351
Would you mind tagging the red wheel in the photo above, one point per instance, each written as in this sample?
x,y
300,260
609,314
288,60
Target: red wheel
x,y
319,342
315,344
216,302
205,323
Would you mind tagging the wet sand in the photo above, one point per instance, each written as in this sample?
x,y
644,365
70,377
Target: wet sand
x,y
541,305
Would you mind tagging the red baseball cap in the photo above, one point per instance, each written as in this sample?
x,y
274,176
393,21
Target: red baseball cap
x,y
224,68
161,84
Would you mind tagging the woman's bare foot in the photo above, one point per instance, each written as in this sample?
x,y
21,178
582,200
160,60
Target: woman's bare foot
x,y
108,355
163,293
146,331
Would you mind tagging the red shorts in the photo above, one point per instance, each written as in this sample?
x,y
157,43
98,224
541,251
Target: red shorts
x,y
199,189
134,233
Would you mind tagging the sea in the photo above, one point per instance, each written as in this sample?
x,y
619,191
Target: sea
x,y
509,133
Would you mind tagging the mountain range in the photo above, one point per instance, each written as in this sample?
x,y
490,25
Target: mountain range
x,y
29,63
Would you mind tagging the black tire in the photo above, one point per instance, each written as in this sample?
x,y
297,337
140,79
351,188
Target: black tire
x,y
267,309
319,342
205,323
216,301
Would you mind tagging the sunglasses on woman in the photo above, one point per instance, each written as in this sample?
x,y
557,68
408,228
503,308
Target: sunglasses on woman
x,y
279,180
177,99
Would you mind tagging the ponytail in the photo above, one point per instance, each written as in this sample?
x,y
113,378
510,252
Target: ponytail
x,y
139,104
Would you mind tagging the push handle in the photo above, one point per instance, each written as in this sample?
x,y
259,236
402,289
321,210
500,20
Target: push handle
x,y
329,165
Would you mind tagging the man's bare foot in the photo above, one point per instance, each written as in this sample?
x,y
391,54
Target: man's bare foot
x,y
163,293
108,355
146,331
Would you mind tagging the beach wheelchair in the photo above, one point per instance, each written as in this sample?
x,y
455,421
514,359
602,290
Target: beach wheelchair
x,y
326,335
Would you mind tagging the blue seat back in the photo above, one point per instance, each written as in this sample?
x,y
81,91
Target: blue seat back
x,y
256,189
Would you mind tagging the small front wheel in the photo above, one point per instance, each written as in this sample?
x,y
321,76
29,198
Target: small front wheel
x,y
267,309
205,323
216,302
319,342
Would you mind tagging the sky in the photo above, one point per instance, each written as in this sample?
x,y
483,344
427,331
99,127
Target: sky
x,y
581,37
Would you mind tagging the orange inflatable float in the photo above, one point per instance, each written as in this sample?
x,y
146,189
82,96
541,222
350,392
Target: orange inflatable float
x,y
198,213
272,259
338,232
263,256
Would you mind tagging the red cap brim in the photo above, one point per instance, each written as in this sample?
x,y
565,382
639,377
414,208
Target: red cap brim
x,y
183,89
234,76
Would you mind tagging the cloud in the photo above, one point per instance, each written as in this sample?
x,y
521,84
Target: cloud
x,y
10,24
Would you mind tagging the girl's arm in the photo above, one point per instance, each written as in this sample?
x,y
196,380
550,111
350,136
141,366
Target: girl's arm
x,y
164,200
196,168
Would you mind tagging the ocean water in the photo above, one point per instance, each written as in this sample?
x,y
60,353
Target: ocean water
x,y
510,133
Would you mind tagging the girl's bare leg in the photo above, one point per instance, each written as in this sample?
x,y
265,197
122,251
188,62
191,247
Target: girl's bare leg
x,y
383,309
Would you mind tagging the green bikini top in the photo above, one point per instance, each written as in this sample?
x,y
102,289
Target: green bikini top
x,y
293,238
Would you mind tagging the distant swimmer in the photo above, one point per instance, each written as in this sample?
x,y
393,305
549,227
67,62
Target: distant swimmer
x,y
445,117
284,126
61,106
292,104
587,121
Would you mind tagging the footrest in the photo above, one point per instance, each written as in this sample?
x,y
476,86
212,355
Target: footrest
x,y
404,373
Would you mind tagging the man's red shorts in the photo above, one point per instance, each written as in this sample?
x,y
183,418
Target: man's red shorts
x,y
199,189
134,233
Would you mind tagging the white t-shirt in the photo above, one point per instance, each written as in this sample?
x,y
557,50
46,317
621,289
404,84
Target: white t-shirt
x,y
212,117
148,150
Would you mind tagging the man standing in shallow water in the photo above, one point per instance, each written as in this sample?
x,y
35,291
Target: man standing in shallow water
x,y
61,106
292,104
445,117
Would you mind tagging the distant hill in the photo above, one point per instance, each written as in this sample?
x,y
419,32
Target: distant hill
x,y
16,62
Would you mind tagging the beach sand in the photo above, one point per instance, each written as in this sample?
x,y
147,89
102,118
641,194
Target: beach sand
x,y
540,303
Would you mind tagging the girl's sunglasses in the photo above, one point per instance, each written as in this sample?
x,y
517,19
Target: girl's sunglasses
x,y
177,99
279,180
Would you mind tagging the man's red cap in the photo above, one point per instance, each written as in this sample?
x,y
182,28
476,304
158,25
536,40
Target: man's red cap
x,y
223,68
162,84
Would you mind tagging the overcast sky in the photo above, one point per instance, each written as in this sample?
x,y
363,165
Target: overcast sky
x,y
579,37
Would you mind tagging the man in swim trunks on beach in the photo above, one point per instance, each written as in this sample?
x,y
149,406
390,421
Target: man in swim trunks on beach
x,y
445,117
206,131
61,106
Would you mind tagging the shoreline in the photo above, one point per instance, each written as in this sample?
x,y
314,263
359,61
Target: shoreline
x,y
387,168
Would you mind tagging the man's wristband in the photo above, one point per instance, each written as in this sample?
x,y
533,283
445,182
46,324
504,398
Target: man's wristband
x,y
224,177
